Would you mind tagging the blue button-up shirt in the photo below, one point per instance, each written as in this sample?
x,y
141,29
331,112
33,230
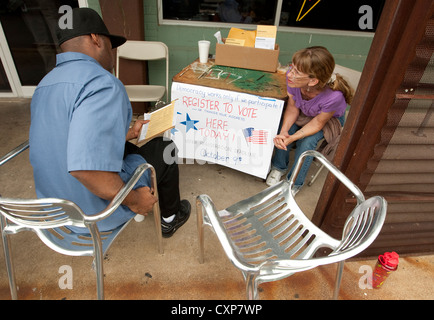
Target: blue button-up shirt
x,y
80,114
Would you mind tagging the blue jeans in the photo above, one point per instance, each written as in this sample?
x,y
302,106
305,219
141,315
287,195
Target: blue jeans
x,y
280,159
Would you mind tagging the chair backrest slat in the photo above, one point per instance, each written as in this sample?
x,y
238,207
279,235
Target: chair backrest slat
x,y
41,213
142,50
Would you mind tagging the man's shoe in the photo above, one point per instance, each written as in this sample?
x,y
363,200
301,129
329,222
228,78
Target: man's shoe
x,y
169,228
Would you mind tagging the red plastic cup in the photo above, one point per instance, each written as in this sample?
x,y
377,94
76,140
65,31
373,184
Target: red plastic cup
x,y
386,264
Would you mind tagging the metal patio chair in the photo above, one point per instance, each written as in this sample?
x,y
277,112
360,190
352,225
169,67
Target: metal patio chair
x,y
268,238
48,218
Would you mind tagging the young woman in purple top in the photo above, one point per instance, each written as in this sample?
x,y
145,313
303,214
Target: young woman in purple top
x,y
318,99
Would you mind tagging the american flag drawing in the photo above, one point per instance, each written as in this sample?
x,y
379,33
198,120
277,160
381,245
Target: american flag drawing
x,y
255,136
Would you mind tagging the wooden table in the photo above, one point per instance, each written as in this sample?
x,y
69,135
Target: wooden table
x,y
260,83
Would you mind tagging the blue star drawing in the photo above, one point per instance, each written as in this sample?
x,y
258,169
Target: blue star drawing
x,y
190,124
174,130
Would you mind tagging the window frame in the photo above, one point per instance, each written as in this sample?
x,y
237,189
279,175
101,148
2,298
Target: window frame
x,y
210,24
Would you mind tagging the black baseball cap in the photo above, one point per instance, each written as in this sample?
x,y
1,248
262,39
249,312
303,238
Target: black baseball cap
x,y
86,21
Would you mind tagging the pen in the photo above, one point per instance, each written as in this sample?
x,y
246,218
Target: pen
x,y
184,71
205,72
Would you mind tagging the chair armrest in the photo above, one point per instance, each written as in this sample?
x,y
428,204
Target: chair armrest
x,y
13,153
122,194
336,172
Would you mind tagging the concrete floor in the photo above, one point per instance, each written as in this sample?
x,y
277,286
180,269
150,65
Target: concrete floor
x,y
134,269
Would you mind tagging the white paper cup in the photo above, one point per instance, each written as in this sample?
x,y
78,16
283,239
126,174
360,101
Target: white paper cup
x,y
203,50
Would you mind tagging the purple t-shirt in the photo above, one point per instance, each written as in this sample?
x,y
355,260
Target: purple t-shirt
x,y
327,101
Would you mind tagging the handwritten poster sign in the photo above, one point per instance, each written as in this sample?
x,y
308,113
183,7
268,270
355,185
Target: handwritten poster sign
x,y
225,127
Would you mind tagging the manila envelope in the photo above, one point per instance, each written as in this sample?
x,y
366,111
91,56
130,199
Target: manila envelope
x,y
241,37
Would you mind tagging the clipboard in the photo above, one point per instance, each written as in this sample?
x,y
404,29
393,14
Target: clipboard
x,y
159,121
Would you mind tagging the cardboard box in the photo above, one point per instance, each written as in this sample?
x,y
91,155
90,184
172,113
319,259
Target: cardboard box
x,y
247,57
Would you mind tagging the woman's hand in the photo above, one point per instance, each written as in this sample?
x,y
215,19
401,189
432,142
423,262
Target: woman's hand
x,y
282,140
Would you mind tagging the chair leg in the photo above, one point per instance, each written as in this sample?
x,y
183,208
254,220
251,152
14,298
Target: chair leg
x,y
99,277
98,260
157,213
251,287
200,228
315,176
9,265
157,220
339,272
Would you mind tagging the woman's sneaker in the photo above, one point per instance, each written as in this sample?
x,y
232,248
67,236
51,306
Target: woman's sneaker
x,y
169,228
274,177
296,189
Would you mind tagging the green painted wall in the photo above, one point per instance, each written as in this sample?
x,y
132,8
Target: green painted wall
x,y
349,51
